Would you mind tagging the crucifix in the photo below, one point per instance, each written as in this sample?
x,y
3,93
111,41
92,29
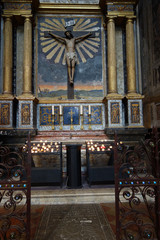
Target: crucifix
x,y
71,57
71,113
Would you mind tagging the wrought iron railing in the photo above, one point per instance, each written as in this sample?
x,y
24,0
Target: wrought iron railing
x,y
15,187
137,190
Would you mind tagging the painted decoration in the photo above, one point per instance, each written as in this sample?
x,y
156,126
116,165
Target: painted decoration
x,y
52,76
71,115
4,113
135,112
25,114
46,117
96,115
115,112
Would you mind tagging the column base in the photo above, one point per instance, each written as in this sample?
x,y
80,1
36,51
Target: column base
x,y
113,96
27,96
134,96
7,96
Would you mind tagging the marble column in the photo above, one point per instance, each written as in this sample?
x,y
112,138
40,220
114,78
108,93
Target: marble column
x,y
7,98
130,57
27,102
8,62
114,100
27,62
134,99
112,71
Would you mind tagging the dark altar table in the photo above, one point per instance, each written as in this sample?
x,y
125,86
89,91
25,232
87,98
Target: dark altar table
x,y
74,165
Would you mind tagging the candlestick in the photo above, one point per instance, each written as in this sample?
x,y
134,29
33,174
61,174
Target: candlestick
x,y
52,121
53,110
90,122
60,110
81,109
81,121
60,121
89,110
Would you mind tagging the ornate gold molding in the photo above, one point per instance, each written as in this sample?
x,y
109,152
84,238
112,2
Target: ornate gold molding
x,y
113,96
119,2
17,1
69,8
48,100
134,96
17,8
121,8
27,97
6,97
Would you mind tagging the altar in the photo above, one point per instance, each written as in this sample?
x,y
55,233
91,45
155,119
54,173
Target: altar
x,y
73,82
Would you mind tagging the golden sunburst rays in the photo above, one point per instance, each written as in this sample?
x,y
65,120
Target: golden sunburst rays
x,y
55,50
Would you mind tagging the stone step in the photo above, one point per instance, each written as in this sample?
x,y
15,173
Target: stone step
x,y
71,136
40,196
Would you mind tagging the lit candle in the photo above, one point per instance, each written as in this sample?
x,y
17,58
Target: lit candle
x,y
81,109
89,111
53,110
60,110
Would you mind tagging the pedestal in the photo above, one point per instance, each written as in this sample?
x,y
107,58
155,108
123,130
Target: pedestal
x,y
115,114
135,113
74,165
7,114
27,113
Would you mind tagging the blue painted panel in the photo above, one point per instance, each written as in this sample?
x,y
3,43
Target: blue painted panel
x,y
46,118
85,114
96,115
70,115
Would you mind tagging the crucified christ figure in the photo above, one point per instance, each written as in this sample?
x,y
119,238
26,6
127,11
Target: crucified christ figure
x,y
71,56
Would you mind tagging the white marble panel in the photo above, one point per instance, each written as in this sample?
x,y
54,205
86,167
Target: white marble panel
x,y
19,59
119,58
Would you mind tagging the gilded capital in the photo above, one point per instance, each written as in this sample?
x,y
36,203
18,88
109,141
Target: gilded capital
x,y
111,18
27,17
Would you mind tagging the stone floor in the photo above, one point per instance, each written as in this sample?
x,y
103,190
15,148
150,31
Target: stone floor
x,y
73,214
74,222
100,193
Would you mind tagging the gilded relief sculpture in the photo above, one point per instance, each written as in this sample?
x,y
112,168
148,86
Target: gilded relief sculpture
x,y
71,56
71,43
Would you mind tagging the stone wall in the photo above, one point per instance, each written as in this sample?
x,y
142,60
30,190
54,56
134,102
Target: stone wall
x,y
149,21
